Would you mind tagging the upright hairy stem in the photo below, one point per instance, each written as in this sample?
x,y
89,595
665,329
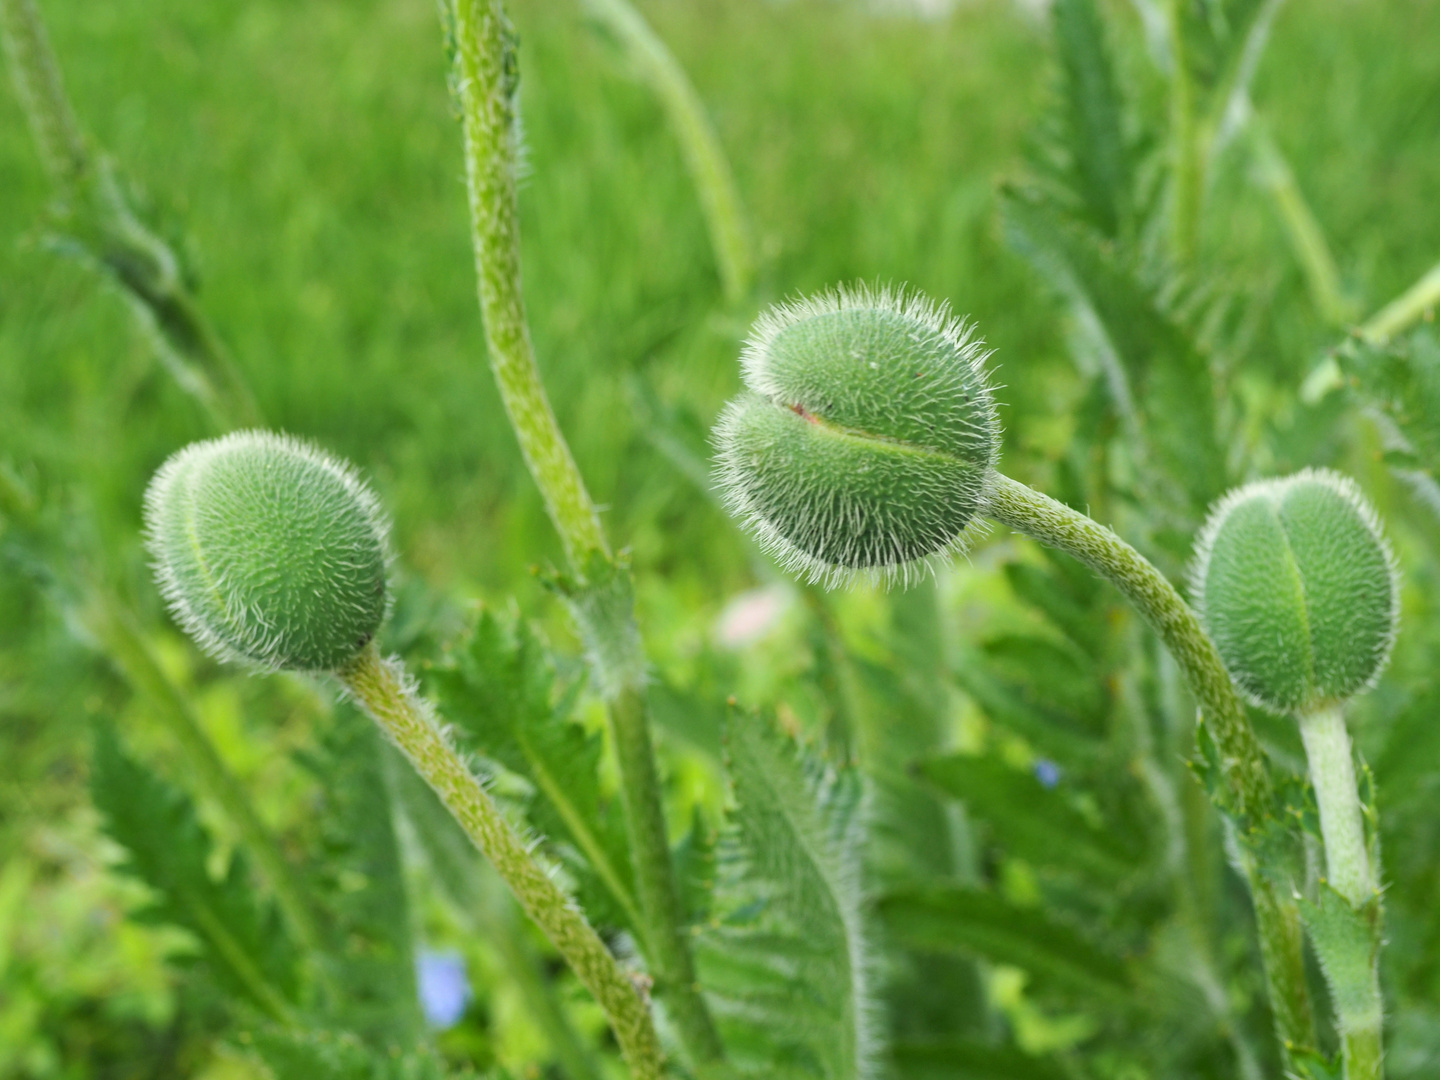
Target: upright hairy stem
x,y
382,689
1242,762
486,84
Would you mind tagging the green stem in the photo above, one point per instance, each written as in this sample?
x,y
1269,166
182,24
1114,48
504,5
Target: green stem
x,y
1332,774
114,627
704,157
1247,793
1414,304
487,912
665,934
486,84
383,690
1306,236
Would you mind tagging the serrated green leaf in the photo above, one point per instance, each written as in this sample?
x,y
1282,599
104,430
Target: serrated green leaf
x,y
970,1059
694,862
1100,163
976,921
1347,942
1039,824
1045,591
788,967
243,938
1220,44
501,695
1401,379
361,888
1154,363
1056,681
1004,703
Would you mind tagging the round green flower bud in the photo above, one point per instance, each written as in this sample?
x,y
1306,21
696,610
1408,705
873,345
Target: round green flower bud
x,y
1298,589
866,436
269,551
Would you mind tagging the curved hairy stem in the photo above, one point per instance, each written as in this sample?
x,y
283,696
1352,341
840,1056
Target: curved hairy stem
x,y
1246,789
486,81
704,157
382,689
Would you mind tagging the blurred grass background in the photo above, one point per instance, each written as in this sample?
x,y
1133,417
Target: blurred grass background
x,y
305,154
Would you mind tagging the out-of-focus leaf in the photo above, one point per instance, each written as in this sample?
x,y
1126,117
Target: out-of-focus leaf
x,y
362,888
501,694
323,1055
1158,373
970,1059
788,966
1400,380
1056,681
1037,823
976,921
1099,163
243,938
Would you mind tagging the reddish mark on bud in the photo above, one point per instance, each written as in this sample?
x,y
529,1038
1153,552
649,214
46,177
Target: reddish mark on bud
x,y
804,414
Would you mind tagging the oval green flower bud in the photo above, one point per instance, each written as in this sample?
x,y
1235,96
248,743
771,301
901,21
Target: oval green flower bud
x,y
1299,590
866,436
268,551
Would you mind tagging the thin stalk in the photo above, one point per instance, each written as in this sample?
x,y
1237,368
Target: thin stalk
x,y
1307,238
114,627
96,213
1248,792
1332,774
486,83
382,690
1415,303
704,158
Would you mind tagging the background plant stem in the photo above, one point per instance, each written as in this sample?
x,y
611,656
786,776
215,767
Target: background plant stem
x,y
486,84
381,688
1248,793
704,158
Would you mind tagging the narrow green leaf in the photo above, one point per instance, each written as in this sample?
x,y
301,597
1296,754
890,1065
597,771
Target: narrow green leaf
x,y
970,1059
1101,169
976,921
361,887
1037,823
243,938
788,967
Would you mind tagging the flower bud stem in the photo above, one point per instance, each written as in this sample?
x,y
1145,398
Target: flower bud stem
x,y
485,85
1247,788
382,690
1332,773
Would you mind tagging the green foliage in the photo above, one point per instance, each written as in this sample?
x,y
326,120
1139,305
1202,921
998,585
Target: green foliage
x,y
320,1055
980,922
789,958
242,937
360,884
501,692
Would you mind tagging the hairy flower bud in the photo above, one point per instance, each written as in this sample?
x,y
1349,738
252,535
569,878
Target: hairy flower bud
x,y
1298,588
269,551
866,436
